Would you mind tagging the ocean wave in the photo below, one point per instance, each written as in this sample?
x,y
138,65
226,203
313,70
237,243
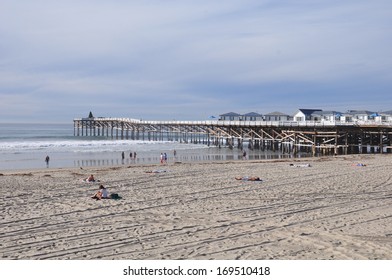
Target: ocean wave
x,y
83,146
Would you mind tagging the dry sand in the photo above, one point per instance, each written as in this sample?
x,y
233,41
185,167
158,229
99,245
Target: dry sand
x,y
331,210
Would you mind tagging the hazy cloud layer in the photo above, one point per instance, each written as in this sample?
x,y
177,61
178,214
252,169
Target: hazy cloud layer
x,y
191,59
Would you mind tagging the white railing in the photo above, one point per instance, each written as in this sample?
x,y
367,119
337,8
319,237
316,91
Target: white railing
x,y
246,123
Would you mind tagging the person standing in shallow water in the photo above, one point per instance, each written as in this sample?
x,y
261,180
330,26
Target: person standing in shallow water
x,y
47,161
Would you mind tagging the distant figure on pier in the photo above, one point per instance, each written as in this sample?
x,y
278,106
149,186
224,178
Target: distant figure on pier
x,y
47,161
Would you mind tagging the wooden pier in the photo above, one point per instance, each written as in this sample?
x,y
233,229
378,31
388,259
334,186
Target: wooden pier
x,y
288,137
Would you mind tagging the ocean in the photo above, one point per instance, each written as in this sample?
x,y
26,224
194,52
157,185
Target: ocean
x,y
25,146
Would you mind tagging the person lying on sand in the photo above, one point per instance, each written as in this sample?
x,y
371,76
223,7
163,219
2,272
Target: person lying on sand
x,y
102,193
90,178
359,164
247,178
156,171
300,165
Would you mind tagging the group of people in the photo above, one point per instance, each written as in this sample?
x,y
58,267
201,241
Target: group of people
x,y
102,192
163,158
132,155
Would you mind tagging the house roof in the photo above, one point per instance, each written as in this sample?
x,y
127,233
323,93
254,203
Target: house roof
x,y
310,111
327,113
276,114
230,114
387,112
360,112
253,114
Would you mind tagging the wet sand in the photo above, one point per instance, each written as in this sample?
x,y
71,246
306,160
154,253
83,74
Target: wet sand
x,y
333,209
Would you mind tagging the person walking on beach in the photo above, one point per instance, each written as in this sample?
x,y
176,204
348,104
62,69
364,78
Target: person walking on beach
x,y
244,155
134,156
130,155
161,158
165,158
123,156
47,161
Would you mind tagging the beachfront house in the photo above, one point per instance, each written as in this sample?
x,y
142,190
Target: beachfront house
x,y
230,117
307,115
276,116
386,116
361,115
330,116
346,118
252,116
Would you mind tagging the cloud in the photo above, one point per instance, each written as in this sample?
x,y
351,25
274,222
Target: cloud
x,y
171,59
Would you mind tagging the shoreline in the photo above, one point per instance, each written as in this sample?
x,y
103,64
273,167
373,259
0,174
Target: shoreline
x,y
333,209
7,172
102,161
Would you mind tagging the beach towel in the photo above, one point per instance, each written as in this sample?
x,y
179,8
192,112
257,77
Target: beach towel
x,y
114,196
90,182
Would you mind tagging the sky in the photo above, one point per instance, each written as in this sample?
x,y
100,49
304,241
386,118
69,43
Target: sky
x,y
188,60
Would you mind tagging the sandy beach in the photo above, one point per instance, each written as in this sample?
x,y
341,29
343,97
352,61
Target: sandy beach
x,y
333,209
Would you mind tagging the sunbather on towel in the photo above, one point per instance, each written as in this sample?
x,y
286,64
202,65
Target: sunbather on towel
x,y
101,194
156,171
247,178
90,178
300,165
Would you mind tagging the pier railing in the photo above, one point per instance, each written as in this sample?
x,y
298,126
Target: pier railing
x,y
321,123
